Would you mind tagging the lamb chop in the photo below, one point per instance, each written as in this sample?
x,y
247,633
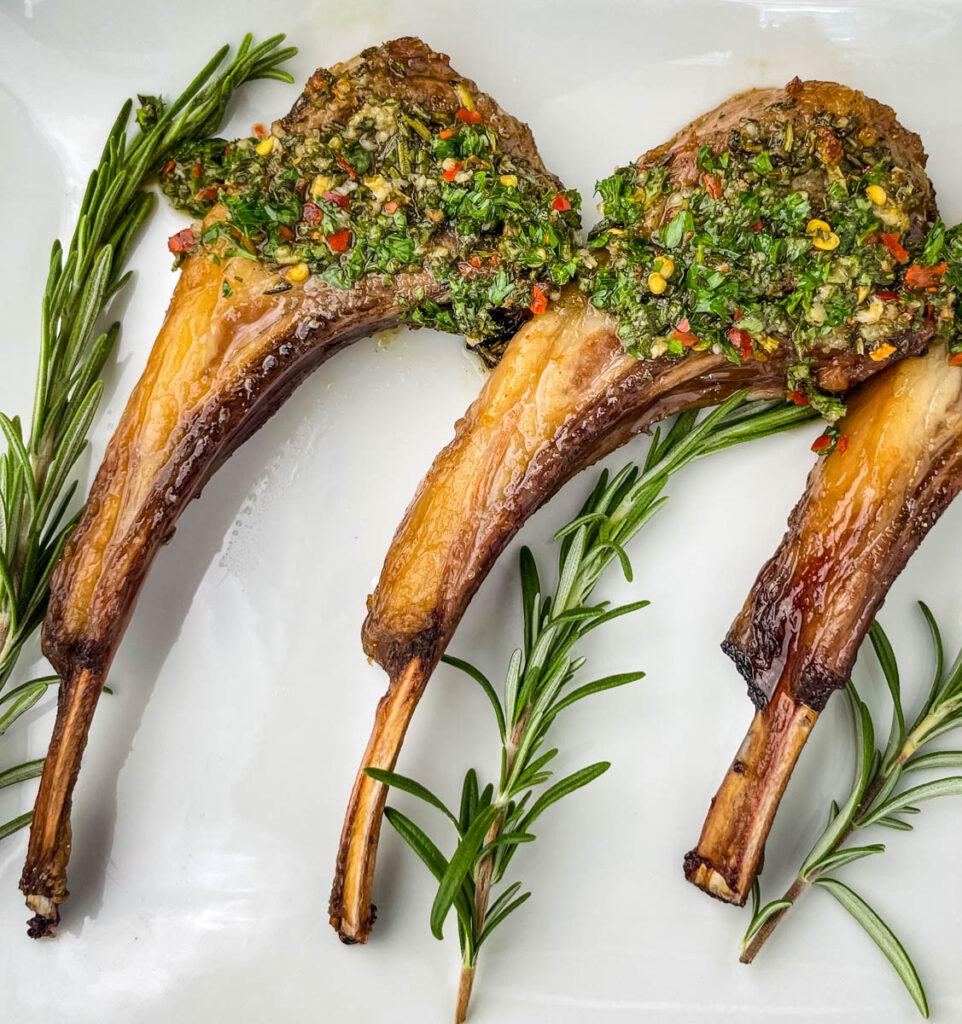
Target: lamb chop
x,y
743,253
867,506
393,190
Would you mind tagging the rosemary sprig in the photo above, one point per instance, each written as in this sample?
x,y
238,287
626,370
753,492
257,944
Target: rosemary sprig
x,y
880,797
494,820
36,489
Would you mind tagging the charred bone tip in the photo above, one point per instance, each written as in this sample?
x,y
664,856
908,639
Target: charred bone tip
x,y
354,935
44,922
700,872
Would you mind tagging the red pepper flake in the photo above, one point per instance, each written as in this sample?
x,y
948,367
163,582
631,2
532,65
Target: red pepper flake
x,y
182,241
737,315
339,240
683,333
924,277
311,213
539,303
475,262
449,174
841,445
345,166
798,397
337,199
712,186
742,340
560,203
390,206
447,133
757,226
197,170
259,130
169,166
956,360
823,443
494,259
466,116
887,296
206,194
891,242
285,233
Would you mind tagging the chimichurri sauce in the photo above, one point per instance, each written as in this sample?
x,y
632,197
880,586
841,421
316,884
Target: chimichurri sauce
x,y
395,189
783,237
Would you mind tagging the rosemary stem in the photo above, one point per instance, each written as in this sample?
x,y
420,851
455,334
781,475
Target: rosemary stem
x,y
801,885
920,733
465,984
794,891
482,885
5,642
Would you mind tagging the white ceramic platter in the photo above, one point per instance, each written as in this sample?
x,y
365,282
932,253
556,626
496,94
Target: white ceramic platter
x,y
213,787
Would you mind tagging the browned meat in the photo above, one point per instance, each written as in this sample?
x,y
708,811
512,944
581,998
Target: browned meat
x,y
219,368
565,394
862,515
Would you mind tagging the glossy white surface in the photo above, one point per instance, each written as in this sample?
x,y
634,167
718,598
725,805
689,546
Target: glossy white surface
x,y
210,803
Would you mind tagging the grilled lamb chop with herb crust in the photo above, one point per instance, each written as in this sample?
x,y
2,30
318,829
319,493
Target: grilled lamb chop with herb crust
x,y
393,189
867,506
744,253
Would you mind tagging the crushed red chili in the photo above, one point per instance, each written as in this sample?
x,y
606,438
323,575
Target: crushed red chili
x,y
742,340
339,240
823,443
924,277
891,242
337,199
183,241
540,301
345,166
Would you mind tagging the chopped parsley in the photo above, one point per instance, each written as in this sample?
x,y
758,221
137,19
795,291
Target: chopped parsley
x,y
786,239
395,189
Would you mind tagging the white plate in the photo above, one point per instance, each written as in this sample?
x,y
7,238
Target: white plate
x,y
209,807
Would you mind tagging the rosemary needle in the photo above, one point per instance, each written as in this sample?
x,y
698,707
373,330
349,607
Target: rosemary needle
x,y
878,797
36,468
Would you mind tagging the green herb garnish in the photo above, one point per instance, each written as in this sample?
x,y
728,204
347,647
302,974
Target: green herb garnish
x,y
384,194
770,247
